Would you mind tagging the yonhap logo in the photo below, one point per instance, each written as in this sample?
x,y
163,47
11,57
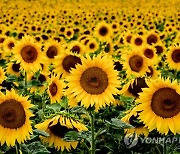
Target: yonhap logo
x,y
130,140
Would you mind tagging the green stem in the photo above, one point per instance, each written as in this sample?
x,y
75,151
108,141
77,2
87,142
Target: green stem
x,y
164,148
93,145
16,146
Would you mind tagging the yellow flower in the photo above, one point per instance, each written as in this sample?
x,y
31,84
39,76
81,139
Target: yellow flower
x,y
14,118
57,127
94,82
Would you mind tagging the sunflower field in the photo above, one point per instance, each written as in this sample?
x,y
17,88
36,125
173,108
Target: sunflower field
x,y
89,76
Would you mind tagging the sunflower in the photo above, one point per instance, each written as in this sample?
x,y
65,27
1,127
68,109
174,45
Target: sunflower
x,y
103,31
42,78
69,33
152,38
28,54
160,48
153,73
137,40
94,82
76,47
159,104
55,89
135,63
8,45
65,62
13,69
2,75
131,117
150,53
52,49
14,118
57,127
173,58
92,46
134,87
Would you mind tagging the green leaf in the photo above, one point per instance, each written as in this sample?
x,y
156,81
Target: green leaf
x,y
78,109
126,99
54,106
33,83
71,136
12,78
34,148
40,132
118,124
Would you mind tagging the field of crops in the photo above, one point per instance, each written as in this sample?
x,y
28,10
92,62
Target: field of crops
x,y
89,76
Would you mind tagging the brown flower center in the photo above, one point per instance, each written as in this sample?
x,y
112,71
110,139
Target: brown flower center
x,y
53,89
138,41
103,31
149,53
176,55
12,114
128,38
68,33
2,40
150,74
16,67
165,102
159,49
118,66
41,78
152,39
11,45
29,54
59,130
91,45
94,80
133,120
137,86
70,62
51,52
76,49
136,63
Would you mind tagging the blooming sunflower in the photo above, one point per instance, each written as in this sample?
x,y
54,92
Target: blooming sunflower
x,y
94,82
8,45
153,73
137,40
76,47
65,62
160,106
13,69
92,45
103,31
28,54
57,127
51,49
14,118
135,63
55,89
69,33
131,117
150,53
152,38
173,58
134,87
42,78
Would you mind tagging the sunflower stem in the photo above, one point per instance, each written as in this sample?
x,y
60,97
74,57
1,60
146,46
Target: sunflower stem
x,y
93,145
17,150
25,82
164,148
